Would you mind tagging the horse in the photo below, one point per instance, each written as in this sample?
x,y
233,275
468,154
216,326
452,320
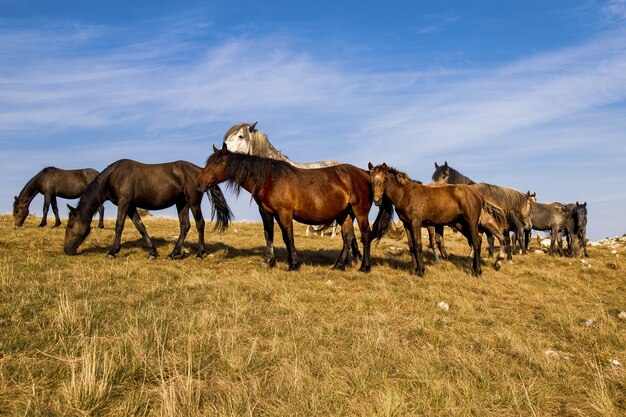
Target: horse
x,y
418,205
52,183
579,212
556,218
516,205
131,185
246,138
285,193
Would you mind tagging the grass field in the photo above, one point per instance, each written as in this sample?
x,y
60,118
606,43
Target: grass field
x,y
87,335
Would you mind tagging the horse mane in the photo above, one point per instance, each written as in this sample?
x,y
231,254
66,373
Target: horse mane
x,y
509,196
242,168
95,194
401,176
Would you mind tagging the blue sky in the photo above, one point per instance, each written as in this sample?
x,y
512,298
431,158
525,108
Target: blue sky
x,y
530,94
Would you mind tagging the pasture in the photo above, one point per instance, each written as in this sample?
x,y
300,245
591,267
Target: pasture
x,y
88,335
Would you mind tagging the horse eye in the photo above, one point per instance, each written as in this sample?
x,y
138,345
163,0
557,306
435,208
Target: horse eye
x,y
240,136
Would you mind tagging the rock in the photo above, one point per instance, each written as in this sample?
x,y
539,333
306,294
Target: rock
x,y
443,305
539,251
551,353
590,322
622,315
329,283
615,362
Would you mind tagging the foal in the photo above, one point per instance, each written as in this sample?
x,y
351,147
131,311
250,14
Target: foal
x,y
418,205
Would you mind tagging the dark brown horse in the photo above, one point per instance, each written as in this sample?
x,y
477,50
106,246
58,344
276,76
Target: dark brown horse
x,y
52,183
418,205
131,185
309,196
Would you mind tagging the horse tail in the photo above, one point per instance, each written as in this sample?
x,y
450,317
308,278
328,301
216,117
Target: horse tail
x,y
220,212
395,233
383,220
495,211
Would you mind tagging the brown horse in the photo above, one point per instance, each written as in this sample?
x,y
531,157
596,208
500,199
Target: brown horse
x,y
310,196
418,204
53,182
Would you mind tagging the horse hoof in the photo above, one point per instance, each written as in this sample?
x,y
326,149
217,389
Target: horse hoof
x,y
271,263
100,226
57,225
497,266
110,256
170,257
339,267
42,225
200,255
153,256
365,269
293,267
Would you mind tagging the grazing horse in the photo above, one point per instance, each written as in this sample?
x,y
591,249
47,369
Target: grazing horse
x,y
516,205
52,183
286,193
131,185
556,218
418,204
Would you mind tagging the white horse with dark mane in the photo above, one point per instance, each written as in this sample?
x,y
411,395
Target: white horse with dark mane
x,y
245,138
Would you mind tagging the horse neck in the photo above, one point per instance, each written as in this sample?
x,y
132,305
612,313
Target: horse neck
x,y
31,188
93,197
394,190
457,178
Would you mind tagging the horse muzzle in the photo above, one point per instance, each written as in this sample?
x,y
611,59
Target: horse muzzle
x,y
378,201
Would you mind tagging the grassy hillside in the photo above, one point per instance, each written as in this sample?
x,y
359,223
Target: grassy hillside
x,y
227,336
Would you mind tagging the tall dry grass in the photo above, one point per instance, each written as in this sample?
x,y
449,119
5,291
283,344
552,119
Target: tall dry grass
x,y
86,335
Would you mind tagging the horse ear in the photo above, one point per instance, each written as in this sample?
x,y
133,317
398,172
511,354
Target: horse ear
x,y
71,209
224,148
16,198
384,167
252,126
585,204
215,150
436,165
369,166
445,164
534,195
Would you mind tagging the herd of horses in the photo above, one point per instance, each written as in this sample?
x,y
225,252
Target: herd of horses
x,y
320,194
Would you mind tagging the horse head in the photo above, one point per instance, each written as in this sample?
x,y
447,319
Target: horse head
x,y
20,211
76,231
531,199
378,179
442,173
213,171
240,138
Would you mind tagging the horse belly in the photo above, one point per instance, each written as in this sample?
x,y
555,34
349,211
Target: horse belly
x,y
320,208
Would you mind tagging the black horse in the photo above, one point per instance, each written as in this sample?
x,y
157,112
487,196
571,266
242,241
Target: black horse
x,y
579,212
131,185
559,219
52,183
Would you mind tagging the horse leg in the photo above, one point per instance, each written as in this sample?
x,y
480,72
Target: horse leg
x,y
491,228
347,234
183,220
285,222
46,207
268,231
409,237
440,242
134,216
507,243
361,213
122,210
431,241
519,231
55,211
416,231
101,215
476,240
196,210
553,236
527,238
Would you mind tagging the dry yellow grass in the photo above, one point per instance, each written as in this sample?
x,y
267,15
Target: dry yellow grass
x,y
87,335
